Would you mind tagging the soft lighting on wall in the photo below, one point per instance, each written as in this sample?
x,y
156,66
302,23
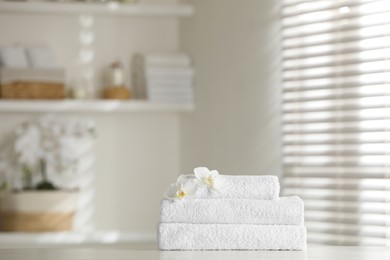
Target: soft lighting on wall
x,y
113,6
344,9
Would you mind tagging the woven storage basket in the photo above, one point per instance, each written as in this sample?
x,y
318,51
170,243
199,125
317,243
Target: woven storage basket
x,y
116,93
35,222
32,90
37,211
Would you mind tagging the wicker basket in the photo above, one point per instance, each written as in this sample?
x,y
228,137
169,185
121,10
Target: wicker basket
x,y
37,211
32,90
35,222
116,93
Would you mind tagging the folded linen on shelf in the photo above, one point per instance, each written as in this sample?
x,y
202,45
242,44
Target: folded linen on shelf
x,y
158,71
264,187
169,72
171,82
179,236
283,211
165,59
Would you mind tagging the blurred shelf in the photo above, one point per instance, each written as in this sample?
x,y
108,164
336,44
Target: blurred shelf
x,y
111,8
53,239
90,106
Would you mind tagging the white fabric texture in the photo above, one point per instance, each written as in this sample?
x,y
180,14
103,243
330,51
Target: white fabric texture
x,y
13,57
178,236
283,211
265,187
166,59
42,57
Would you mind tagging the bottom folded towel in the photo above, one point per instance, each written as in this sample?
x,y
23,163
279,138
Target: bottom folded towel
x,y
179,236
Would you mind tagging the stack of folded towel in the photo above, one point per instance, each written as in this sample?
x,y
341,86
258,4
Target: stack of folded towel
x,y
247,214
164,77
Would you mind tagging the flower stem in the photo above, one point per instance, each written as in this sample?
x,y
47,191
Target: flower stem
x,y
27,177
42,163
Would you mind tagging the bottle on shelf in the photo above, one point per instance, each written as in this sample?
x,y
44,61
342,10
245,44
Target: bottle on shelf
x,y
115,82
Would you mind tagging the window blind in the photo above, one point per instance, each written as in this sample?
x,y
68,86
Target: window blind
x,y
336,117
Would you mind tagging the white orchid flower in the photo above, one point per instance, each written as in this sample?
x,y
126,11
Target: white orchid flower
x,y
185,186
27,146
211,179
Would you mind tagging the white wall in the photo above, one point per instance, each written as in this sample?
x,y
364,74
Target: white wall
x,y
137,160
236,126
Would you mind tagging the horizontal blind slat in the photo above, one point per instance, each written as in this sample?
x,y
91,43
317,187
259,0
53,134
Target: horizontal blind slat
x,y
341,104
347,229
336,93
345,240
336,195
346,81
331,183
350,58
341,127
340,150
367,207
334,116
337,71
340,172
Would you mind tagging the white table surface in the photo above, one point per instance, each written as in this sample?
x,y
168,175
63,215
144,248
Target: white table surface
x,y
146,253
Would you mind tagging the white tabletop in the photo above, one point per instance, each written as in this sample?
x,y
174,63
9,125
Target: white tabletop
x,y
129,253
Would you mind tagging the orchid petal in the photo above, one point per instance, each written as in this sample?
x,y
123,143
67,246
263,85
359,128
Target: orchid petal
x,y
201,172
182,179
214,173
190,187
170,193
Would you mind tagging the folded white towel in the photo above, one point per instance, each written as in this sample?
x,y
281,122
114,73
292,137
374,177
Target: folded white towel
x,y
264,187
284,211
42,57
164,59
175,236
163,73
170,93
185,83
13,57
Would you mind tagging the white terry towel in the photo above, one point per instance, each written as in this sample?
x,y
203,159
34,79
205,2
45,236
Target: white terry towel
x,y
178,236
283,211
264,187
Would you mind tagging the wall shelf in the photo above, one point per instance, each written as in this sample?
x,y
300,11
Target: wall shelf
x,y
90,106
72,238
112,8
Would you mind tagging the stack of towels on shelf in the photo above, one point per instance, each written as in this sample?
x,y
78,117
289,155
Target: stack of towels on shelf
x,y
247,214
164,77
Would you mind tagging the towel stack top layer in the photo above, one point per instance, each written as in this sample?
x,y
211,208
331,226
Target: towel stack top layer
x,y
265,187
283,211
